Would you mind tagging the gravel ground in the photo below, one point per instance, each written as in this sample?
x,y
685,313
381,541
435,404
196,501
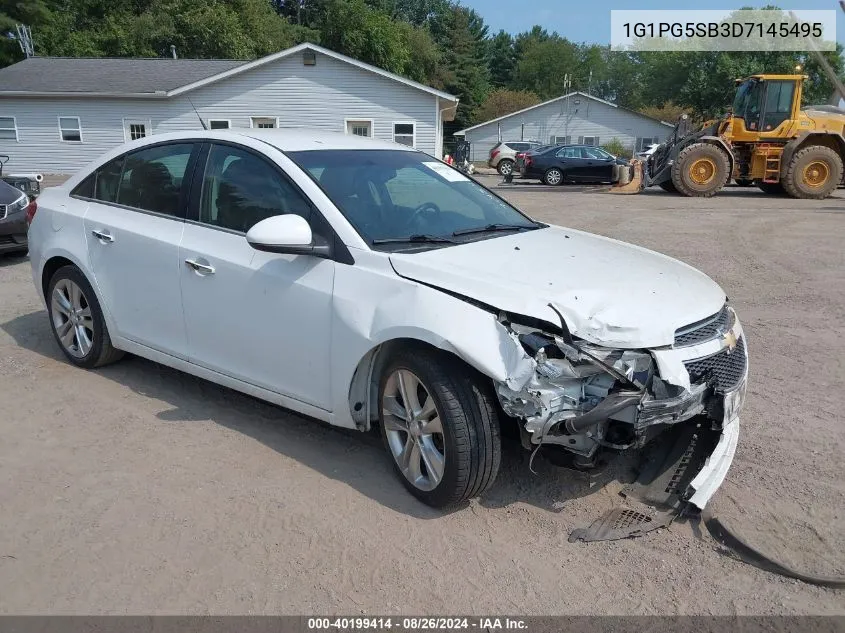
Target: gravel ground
x,y
137,489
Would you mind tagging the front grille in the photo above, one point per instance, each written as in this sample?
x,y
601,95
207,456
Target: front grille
x,y
704,330
6,239
2,211
726,368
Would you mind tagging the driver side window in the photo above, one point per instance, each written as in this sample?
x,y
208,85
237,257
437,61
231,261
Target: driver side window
x,y
239,189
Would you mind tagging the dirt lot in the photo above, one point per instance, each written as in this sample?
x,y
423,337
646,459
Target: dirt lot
x,y
136,489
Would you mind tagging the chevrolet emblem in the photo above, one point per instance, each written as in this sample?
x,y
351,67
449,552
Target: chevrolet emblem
x,y
730,341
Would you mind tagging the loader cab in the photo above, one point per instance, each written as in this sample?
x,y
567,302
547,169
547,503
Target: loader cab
x,y
765,102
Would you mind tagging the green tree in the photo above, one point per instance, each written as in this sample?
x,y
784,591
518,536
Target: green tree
x,y
465,58
544,65
501,59
502,101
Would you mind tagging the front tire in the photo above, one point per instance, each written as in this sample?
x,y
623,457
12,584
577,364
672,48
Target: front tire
x,y
77,320
700,170
439,424
814,172
553,177
505,167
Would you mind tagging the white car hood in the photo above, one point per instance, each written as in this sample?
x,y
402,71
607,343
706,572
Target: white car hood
x,y
609,292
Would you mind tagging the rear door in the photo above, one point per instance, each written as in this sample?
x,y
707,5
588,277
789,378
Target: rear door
x,y
133,227
570,162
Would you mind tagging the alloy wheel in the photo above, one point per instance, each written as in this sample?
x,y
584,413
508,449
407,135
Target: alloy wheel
x,y
553,177
72,319
414,429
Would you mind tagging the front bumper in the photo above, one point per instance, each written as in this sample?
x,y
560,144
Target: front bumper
x,y
13,233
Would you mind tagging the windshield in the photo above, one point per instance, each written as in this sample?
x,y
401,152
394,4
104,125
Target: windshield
x,y
394,195
741,99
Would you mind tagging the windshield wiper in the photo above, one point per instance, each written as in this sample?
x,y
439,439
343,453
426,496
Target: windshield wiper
x,y
419,238
496,227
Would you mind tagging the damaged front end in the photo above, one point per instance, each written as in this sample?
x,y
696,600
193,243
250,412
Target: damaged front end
x,y
584,398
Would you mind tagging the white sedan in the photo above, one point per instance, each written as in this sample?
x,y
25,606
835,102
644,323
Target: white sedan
x,y
362,282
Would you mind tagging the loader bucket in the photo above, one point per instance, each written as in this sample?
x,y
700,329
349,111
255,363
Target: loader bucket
x,y
630,180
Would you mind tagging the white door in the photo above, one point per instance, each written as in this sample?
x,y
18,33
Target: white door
x,y
133,231
259,317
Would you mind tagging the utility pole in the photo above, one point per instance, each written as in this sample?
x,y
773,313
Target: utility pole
x,y
25,40
590,83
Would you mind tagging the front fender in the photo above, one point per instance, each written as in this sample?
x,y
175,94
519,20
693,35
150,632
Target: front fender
x,y
372,308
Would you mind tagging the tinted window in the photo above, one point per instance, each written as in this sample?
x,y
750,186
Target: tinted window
x,y
778,103
108,179
594,152
240,189
152,178
85,189
569,152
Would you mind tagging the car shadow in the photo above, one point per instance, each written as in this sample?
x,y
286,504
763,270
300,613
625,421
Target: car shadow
x,y
357,459
10,259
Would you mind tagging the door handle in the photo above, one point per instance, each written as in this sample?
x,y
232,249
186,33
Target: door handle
x,y
203,269
103,236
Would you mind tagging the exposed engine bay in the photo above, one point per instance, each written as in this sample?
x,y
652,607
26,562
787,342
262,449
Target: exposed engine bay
x,y
585,398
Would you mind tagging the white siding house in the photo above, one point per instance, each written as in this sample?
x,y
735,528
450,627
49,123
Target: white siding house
x,y
576,118
57,114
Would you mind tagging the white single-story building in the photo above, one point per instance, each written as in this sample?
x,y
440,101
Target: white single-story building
x,y
576,118
57,114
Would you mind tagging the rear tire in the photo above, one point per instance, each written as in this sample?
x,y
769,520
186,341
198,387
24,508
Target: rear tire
x,y
700,170
455,427
553,177
77,320
813,173
771,188
505,167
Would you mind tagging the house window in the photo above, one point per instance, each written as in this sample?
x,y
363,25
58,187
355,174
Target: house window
x,y
8,128
645,141
70,129
133,129
359,128
590,140
219,124
405,134
263,122
561,140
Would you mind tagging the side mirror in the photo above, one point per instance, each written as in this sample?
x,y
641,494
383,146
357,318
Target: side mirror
x,y
289,234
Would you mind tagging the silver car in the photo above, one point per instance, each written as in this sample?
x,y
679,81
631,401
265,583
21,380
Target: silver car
x,y
503,154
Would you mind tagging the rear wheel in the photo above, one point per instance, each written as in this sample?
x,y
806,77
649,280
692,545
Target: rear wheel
x,y
553,177
77,320
772,188
814,172
439,424
505,167
700,170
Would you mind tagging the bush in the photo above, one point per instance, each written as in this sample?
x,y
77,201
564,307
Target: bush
x,y
617,148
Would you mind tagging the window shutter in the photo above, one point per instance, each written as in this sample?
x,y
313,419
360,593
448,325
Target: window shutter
x,y
598,142
580,140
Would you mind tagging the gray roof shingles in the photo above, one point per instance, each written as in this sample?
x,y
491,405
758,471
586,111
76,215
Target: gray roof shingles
x,y
108,75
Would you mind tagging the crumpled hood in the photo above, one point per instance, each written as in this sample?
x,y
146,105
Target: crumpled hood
x,y
609,292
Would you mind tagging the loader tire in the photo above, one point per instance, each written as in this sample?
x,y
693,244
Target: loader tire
x,y
668,185
700,170
772,188
813,173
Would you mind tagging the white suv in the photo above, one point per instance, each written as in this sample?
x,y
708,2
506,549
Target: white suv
x,y
503,154
362,282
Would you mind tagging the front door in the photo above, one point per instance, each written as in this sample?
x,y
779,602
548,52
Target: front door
x,y
597,165
133,227
262,318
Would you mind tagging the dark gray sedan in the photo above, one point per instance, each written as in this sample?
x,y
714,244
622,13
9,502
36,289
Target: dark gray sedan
x,y
13,212
570,163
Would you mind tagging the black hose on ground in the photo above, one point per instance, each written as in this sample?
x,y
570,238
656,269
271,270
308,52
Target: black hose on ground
x,y
748,554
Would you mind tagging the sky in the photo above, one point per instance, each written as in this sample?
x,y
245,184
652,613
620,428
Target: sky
x,y
589,20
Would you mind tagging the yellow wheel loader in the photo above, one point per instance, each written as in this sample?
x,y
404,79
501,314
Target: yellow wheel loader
x,y
767,139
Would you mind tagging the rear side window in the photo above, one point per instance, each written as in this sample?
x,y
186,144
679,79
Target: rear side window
x,y
152,178
85,189
107,179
